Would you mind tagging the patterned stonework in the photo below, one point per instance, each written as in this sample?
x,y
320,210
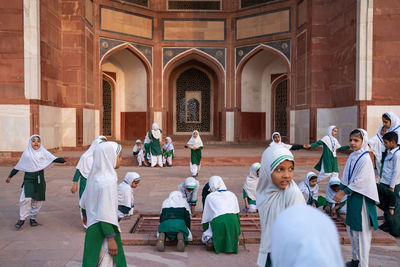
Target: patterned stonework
x,y
108,44
217,53
282,46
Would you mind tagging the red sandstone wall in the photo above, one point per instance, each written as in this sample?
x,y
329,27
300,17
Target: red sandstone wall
x,y
50,50
386,52
11,52
333,52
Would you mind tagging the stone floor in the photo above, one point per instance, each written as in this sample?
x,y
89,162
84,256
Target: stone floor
x,y
58,241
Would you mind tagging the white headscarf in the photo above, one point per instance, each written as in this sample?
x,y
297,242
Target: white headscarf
x,y
34,160
271,200
85,162
303,236
306,189
273,143
250,184
125,192
394,122
330,194
100,198
135,147
362,178
377,145
168,146
331,142
219,201
189,183
155,130
195,142
175,200
147,139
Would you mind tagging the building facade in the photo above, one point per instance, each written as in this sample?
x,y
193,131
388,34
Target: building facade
x,y
235,70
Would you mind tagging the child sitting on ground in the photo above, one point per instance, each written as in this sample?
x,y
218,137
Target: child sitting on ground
x,y
331,207
221,220
389,186
309,188
276,191
138,153
189,189
358,183
174,221
168,152
249,188
125,194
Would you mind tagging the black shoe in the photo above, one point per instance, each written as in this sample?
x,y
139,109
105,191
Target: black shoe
x,y
384,227
19,224
352,263
33,222
380,218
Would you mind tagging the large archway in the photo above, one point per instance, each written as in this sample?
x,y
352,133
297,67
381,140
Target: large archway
x,y
130,99
193,100
261,101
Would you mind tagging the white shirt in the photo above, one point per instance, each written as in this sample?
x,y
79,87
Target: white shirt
x,y
391,168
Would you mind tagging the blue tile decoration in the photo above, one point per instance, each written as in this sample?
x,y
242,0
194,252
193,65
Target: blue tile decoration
x,y
282,46
108,44
217,53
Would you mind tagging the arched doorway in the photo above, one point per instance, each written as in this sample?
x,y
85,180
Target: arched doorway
x,y
129,102
257,75
107,108
280,104
193,94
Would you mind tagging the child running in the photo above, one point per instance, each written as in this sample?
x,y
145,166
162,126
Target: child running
x,y
358,183
168,152
189,189
138,153
309,188
221,220
277,140
174,222
33,162
276,191
100,200
249,188
327,165
331,207
389,186
125,194
83,169
196,145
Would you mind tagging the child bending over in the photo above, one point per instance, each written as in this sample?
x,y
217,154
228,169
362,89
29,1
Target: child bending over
x,y
125,194
249,188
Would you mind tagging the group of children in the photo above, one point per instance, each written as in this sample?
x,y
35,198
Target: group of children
x,y
268,189
151,154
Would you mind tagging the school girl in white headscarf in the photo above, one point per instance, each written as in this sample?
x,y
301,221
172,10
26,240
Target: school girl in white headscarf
x,y
303,236
168,152
155,146
137,152
391,122
249,188
358,183
100,200
332,207
83,169
327,165
276,140
196,145
377,147
276,191
174,221
125,194
33,162
309,188
189,189
221,218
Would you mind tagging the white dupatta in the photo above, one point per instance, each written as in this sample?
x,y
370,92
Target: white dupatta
x,y
34,160
271,200
330,141
85,162
358,174
251,182
195,142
